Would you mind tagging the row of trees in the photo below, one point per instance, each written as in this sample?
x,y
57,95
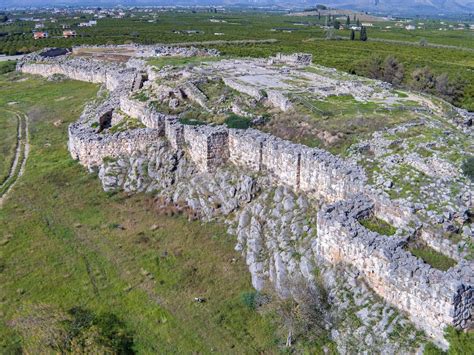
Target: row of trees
x,y
420,79
362,36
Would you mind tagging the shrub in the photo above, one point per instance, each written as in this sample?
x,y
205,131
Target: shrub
x,y
468,168
422,79
460,342
88,332
393,71
235,121
250,299
8,66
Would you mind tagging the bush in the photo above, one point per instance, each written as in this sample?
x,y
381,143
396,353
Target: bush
x,y
8,66
422,79
468,168
250,299
91,333
235,121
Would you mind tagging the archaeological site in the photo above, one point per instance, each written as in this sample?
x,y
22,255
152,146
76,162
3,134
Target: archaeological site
x,y
364,207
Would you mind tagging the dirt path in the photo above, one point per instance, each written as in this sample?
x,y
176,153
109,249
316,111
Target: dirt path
x,y
21,155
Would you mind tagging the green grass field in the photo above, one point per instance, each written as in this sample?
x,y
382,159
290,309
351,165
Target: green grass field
x,y
65,243
8,140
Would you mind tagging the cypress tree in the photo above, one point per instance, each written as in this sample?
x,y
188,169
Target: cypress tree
x,y
363,34
348,21
352,35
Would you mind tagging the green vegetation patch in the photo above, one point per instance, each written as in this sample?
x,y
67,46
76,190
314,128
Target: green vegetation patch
x,y
377,225
468,168
8,142
235,121
432,257
7,66
126,124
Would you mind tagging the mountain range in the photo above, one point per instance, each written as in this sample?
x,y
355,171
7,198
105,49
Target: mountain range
x,y
395,7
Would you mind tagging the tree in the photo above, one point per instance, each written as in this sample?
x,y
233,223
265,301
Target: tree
x,y
358,23
449,89
393,71
363,34
422,79
337,24
348,20
374,67
3,18
352,35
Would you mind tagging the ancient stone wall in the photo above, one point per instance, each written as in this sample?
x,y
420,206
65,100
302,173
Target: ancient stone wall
x,y
294,58
207,146
174,132
246,147
91,149
144,112
432,299
246,89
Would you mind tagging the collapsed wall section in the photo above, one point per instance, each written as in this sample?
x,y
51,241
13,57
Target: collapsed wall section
x,y
433,299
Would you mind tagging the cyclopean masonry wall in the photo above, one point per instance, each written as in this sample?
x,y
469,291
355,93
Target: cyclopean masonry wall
x,y
207,146
144,112
431,298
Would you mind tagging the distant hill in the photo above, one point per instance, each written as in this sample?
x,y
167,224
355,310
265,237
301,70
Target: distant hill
x,y
407,7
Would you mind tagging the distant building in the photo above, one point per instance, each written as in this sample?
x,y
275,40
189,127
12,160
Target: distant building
x,y
355,28
410,27
40,35
367,24
39,26
69,34
88,24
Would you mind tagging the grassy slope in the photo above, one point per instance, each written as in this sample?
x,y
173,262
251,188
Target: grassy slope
x,y
8,132
65,247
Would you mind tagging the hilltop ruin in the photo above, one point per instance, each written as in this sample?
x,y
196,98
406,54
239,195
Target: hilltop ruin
x,y
138,140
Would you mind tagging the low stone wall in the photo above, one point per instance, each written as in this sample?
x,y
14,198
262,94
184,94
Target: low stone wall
x,y
194,94
246,89
432,299
436,240
144,112
294,58
86,70
278,100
